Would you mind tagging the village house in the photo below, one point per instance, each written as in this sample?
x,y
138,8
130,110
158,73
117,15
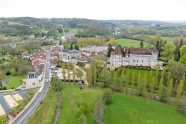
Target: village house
x,y
33,79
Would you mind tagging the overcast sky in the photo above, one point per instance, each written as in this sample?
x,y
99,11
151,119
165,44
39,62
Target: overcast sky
x,y
96,9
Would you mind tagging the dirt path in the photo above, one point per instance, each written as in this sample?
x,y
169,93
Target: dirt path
x,y
84,78
58,108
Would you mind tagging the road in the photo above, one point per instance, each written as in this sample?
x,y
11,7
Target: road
x,y
3,102
33,106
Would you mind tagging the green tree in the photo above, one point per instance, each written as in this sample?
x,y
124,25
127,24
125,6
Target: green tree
x,y
138,84
95,74
132,83
168,78
150,78
106,77
179,91
160,89
107,96
183,50
183,59
2,77
169,90
152,88
145,86
12,71
112,41
141,44
168,50
68,68
82,119
90,77
127,82
98,111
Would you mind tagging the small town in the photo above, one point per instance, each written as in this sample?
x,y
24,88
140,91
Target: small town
x,y
72,66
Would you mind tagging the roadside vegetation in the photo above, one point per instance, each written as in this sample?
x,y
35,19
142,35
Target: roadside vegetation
x,y
46,111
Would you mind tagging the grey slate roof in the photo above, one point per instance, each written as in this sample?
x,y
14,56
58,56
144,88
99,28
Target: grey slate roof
x,y
33,75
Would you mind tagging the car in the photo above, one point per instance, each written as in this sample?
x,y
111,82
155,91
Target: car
x,y
17,89
46,81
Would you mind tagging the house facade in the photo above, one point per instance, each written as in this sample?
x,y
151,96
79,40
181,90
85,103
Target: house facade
x,y
133,57
33,79
68,55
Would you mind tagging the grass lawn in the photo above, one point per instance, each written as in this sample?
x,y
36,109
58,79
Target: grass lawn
x,y
46,111
73,94
74,30
15,81
130,43
127,109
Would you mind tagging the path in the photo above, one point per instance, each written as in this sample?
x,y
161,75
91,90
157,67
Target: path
x,y
84,78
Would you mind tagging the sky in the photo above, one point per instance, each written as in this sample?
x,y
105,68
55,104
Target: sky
x,y
96,9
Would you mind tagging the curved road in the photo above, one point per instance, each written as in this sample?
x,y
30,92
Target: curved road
x,y
33,106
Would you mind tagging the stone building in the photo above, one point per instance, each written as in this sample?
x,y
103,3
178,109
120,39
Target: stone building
x,y
68,55
133,57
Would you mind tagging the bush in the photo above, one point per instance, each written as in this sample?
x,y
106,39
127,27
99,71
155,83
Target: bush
x,y
8,72
4,88
1,88
12,87
107,96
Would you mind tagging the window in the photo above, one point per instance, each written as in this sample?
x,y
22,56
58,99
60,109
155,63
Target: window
x,y
142,61
137,60
133,60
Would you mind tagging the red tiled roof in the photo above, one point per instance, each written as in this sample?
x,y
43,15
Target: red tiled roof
x,y
141,51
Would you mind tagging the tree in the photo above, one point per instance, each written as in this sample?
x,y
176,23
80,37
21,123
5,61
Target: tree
x,y
109,50
168,50
127,82
68,68
132,83
2,77
160,89
12,71
82,119
145,86
95,74
176,70
141,44
168,78
157,38
152,88
106,77
99,109
90,77
112,41
182,50
114,87
156,76
107,96
179,91
169,90
138,84
150,78
183,59
74,76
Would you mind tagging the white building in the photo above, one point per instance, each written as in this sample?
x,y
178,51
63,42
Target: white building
x,y
133,57
94,48
68,55
33,79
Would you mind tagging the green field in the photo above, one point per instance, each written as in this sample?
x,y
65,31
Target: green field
x,y
46,111
73,94
130,43
15,81
74,30
127,109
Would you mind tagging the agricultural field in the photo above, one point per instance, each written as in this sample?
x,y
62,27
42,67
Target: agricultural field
x,y
127,109
131,43
74,30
